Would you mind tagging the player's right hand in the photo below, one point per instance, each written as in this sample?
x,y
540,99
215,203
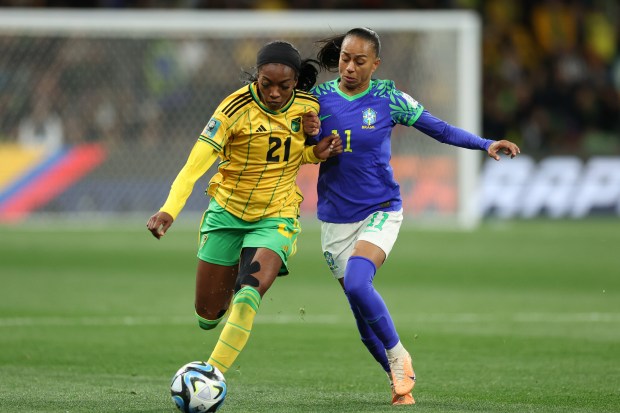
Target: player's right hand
x,y
328,146
311,123
159,223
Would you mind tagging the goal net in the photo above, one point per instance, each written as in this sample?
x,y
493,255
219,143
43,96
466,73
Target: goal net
x,y
101,108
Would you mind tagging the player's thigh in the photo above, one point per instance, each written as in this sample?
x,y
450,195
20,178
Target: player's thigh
x,y
218,258
339,241
215,286
279,235
381,230
220,241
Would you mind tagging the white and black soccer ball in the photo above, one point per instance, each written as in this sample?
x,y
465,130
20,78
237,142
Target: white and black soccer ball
x,y
198,387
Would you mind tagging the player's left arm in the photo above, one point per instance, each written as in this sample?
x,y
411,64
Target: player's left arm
x,y
200,159
443,132
407,111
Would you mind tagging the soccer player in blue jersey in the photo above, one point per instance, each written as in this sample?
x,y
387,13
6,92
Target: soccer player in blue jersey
x,y
359,202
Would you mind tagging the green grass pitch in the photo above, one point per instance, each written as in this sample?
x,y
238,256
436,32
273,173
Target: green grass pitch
x,y
520,316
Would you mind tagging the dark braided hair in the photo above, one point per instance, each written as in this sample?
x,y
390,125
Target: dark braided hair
x,y
329,53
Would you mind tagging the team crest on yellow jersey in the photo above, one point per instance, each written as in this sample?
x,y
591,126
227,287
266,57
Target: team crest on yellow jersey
x,y
296,125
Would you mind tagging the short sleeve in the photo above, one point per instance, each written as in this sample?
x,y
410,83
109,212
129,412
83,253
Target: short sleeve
x,y
404,109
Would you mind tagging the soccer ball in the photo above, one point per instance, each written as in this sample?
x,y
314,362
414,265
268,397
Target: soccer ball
x,y
198,387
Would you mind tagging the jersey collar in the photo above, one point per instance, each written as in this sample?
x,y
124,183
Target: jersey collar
x,y
359,95
254,92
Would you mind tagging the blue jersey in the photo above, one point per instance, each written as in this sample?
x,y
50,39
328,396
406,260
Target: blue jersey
x,y
360,181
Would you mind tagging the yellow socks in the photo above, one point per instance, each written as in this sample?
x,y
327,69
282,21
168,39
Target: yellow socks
x,y
237,329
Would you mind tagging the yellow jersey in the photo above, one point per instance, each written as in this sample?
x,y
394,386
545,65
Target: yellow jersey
x,y
261,152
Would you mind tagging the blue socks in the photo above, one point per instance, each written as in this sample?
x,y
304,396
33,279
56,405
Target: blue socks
x,y
371,314
369,338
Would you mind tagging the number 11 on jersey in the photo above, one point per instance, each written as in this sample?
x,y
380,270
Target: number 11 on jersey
x,y
347,132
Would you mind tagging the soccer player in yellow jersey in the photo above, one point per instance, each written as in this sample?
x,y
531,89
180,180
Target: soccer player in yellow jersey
x,y
250,227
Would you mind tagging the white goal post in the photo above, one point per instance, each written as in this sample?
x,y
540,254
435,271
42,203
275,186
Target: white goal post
x,y
103,65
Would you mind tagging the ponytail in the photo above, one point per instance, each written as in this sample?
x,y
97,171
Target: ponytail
x,y
307,74
329,53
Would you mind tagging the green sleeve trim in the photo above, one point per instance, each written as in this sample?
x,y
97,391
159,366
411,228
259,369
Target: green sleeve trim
x,y
415,118
210,142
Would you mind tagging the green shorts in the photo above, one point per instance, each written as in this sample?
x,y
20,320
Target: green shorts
x,y
223,236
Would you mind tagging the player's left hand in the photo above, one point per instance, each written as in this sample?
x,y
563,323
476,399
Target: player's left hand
x,y
328,146
311,123
505,147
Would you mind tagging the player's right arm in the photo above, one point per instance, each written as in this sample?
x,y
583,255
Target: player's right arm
x,y
200,159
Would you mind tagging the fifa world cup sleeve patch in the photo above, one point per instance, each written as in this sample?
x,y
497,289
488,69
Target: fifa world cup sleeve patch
x,y
211,129
412,102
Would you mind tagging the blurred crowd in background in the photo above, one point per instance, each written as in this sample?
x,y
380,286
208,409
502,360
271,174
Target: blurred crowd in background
x,y
551,78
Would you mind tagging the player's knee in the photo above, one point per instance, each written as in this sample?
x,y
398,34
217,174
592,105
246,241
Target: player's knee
x,y
246,280
358,277
356,290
